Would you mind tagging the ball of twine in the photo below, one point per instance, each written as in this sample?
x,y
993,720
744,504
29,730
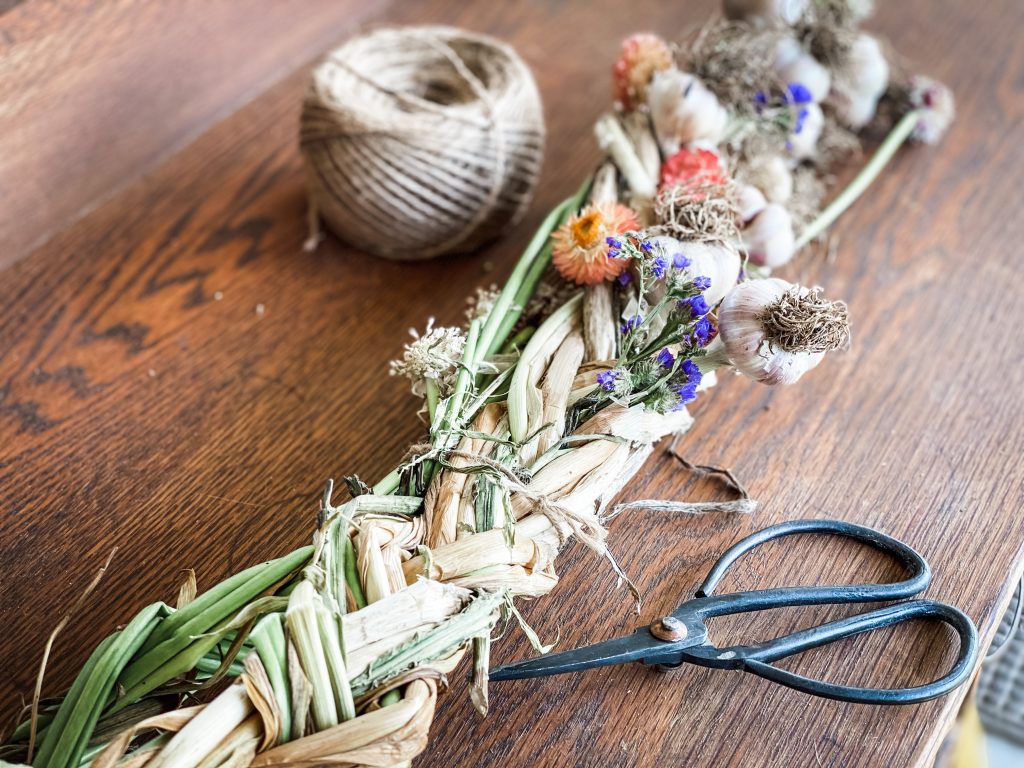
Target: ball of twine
x,y
421,141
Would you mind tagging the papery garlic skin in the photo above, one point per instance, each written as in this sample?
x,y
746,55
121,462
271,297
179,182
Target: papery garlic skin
x,y
742,331
803,144
794,65
865,77
786,11
750,201
937,106
684,110
772,176
769,239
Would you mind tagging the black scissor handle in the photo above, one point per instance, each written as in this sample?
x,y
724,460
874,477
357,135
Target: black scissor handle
x,y
757,659
756,600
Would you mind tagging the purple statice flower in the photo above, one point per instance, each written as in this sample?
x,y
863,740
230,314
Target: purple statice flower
x,y
693,374
801,119
613,242
608,380
702,332
687,394
658,267
698,306
798,93
680,262
613,253
701,283
631,324
760,100
625,278
647,246
666,359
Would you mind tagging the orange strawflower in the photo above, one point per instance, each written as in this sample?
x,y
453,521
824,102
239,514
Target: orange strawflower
x,y
580,251
641,56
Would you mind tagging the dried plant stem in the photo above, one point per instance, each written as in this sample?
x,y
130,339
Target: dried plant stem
x,y
899,134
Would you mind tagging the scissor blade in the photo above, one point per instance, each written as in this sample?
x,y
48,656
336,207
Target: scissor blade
x,y
640,646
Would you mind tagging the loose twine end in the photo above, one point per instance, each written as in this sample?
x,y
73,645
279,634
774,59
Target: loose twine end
x,y
806,322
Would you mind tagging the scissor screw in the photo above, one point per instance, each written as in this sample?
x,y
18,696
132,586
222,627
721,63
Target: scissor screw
x,y
669,629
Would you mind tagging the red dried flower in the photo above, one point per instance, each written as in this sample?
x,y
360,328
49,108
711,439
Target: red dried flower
x,y
641,56
692,168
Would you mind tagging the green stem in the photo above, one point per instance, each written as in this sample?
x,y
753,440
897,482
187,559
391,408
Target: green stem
x,y
351,576
862,180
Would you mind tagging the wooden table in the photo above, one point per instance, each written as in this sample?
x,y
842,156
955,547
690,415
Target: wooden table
x,y
178,378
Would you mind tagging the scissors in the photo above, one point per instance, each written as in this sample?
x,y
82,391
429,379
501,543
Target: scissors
x,y
682,636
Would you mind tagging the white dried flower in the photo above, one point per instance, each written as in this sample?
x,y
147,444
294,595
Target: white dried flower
x,y
434,356
481,303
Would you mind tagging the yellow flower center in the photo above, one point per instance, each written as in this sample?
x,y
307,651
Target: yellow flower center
x,y
587,230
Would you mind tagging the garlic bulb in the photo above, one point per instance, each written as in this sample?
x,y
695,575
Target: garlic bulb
x,y
750,201
774,331
861,83
937,107
770,174
769,239
867,70
786,11
719,262
684,110
803,141
794,65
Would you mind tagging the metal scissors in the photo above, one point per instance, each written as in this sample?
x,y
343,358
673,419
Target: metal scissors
x,y
682,636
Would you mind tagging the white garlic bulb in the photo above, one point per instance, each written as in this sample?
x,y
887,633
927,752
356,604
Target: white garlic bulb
x,y
719,262
684,110
786,11
769,239
867,69
750,201
746,332
862,82
770,174
794,65
803,141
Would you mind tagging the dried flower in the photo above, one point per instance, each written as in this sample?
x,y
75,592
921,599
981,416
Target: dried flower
x,y
713,267
693,168
935,101
434,356
641,56
774,331
480,304
581,247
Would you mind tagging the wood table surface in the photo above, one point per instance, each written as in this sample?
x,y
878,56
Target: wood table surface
x,y
179,378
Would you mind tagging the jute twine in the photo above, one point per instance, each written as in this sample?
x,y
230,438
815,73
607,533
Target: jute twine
x,y
421,141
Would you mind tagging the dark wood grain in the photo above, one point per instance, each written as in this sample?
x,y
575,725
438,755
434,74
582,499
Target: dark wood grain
x,y
138,409
96,93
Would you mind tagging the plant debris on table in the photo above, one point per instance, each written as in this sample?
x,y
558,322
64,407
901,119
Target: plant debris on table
x,y
632,296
